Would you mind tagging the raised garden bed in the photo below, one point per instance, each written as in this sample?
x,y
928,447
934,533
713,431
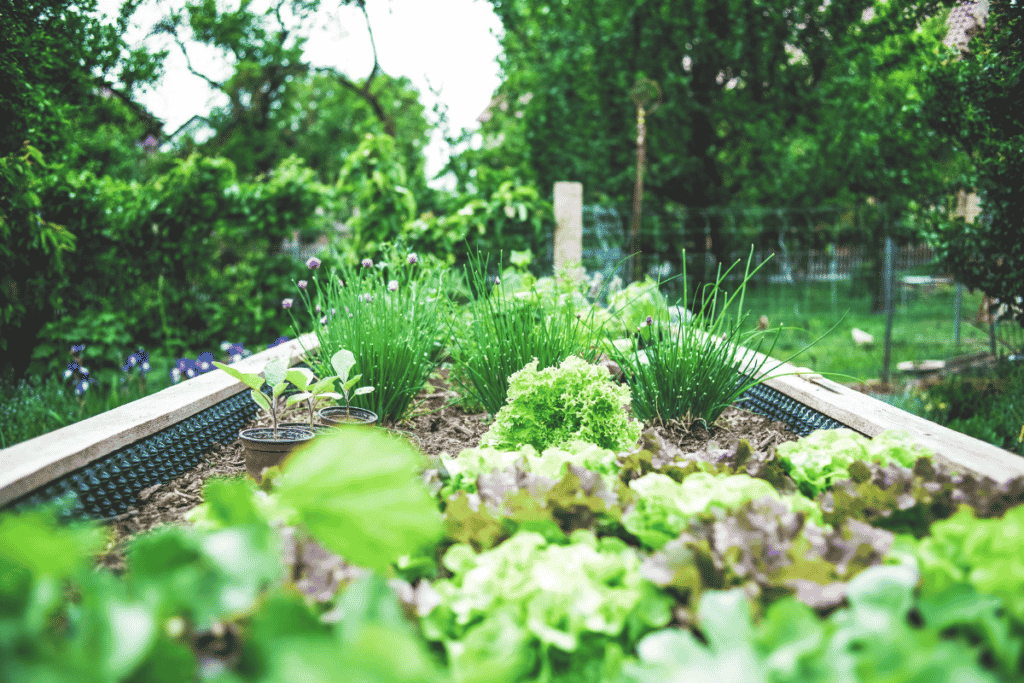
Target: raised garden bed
x,y
677,584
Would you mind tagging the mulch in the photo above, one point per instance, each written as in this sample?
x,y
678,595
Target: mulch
x,y
438,425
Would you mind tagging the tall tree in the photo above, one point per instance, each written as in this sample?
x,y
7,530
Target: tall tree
x,y
58,60
278,104
773,102
733,73
975,97
54,57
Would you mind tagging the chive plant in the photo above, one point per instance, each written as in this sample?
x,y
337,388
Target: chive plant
x,y
391,314
690,371
504,332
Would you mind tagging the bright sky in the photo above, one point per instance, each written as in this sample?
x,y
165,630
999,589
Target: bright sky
x,y
450,43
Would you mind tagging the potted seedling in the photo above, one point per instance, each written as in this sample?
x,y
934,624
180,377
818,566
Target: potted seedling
x,y
311,391
343,362
267,446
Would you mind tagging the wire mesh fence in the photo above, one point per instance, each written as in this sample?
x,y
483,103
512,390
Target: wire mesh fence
x,y
823,267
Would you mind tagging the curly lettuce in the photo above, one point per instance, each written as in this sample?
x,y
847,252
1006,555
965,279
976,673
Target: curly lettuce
x,y
550,607
664,507
823,457
576,401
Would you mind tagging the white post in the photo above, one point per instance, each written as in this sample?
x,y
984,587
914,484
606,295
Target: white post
x,y
957,304
568,225
887,289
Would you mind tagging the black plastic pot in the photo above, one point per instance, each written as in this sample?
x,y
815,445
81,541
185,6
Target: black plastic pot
x,y
263,449
318,429
341,415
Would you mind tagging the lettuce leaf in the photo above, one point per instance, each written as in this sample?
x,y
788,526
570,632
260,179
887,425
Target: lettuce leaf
x,y
664,506
551,599
822,457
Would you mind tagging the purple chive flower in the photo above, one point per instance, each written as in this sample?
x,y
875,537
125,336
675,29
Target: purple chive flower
x,y
413,259
334,310
497,280
393,286
367,263
649,321
78,348
287,303
366,298
318,308
313,263
323,320
303,284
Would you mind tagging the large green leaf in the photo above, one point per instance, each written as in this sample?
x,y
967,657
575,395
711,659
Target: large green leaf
x,y
357,492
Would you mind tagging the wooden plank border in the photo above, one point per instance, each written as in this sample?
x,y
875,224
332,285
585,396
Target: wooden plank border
x,y
26,466
870,417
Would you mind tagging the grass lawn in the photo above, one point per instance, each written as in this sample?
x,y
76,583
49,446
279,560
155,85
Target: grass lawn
x,y
923,326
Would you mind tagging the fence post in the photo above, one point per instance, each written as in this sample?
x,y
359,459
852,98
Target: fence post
x,y
957,303
568,239
887,290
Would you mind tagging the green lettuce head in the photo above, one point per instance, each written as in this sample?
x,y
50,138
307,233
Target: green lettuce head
x,y
576,401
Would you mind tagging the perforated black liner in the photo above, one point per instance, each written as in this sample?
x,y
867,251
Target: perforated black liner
x,y
107,487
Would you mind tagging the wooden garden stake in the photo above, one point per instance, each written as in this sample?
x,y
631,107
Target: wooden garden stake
x,y
642,94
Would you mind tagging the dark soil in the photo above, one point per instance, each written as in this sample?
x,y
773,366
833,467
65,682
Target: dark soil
x,y
438,425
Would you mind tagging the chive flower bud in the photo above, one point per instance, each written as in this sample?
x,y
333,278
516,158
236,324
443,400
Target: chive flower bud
x,y
412,258
393,286
303,284
313,263
367,263
286,303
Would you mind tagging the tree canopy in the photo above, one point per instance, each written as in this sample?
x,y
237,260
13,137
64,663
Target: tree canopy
x,y
975,97
773,101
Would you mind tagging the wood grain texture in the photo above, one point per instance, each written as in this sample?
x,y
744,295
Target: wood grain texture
x,y
39,461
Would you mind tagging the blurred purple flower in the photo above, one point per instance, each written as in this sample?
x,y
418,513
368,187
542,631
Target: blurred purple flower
x,y
323,320
204,363
649,321
184,366
78,348
150,144
412,259
318,308
81,387
367,263
303,284
313,263
287,303
497,280
393,286
366,298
